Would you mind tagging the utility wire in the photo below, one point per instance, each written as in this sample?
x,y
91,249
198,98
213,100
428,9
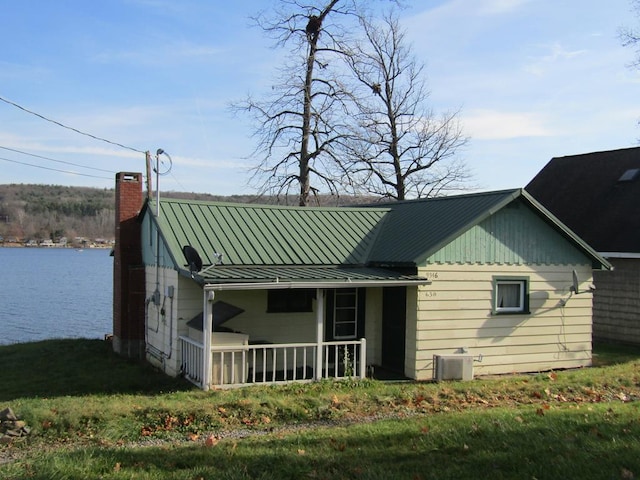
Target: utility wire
x,y
54,160
69,128
54,169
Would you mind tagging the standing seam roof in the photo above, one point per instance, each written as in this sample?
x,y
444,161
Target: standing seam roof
x,y
270,235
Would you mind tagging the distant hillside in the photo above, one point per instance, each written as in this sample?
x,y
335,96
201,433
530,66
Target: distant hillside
x,y
42,212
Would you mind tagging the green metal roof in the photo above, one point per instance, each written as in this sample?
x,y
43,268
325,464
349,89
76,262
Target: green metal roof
x,y
260,243
269,235
307,275
414,229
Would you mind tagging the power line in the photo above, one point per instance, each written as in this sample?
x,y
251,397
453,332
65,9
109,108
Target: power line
x,y
69,128
54,160
54,169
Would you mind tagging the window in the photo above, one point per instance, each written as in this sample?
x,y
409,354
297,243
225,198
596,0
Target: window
x,y
289,301
345,314
511,295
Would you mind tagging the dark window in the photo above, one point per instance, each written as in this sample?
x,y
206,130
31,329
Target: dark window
x,y
282,301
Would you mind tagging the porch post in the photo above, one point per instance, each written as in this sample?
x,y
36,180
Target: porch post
x,y
207,322
319,332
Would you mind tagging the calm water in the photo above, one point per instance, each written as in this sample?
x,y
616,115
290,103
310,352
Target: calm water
x,y
54,293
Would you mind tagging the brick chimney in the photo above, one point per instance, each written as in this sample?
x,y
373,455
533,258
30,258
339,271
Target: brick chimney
x,y
128,270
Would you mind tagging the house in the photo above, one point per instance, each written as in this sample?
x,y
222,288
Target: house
x,y
235,293
597,195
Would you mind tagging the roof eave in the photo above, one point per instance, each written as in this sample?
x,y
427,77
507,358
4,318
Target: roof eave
x,y
310,284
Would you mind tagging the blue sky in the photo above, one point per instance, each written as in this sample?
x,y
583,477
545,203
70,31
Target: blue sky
x,y
533,79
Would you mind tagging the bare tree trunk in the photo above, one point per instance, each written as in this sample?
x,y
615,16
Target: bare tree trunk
x,y
314,28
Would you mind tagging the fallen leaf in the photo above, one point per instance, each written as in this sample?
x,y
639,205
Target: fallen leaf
x,y
266,419
553,376
211,441
627,474
425,429
622,396
193,437
301,452
116,467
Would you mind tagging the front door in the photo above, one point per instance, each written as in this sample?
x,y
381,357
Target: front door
x,y
394,323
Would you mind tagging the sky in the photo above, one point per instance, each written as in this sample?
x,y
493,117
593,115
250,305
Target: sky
x,y
532,80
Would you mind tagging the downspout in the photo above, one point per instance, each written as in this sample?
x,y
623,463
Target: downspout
x,y
319,331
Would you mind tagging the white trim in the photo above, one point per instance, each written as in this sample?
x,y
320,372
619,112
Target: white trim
x,y
514,309
207,328
319,331
619,255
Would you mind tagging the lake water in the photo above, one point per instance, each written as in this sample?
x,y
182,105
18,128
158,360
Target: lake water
x,y
55,293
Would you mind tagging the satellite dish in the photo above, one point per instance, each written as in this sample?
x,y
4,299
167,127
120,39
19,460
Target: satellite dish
x,y
574,286
193,259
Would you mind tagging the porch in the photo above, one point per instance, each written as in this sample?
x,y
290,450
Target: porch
x,y
240,365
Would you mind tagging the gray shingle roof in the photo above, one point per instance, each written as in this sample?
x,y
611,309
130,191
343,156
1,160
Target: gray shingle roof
x,y
585,193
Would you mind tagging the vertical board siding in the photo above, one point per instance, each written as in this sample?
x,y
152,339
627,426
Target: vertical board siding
x,y
455,313
514,235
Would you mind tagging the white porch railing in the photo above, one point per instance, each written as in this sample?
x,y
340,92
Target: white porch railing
x,y
237,365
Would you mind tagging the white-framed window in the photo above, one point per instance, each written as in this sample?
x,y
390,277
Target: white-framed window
x,y
345,314
510,295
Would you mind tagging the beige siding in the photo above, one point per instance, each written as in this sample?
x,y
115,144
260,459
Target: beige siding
x,y
412,350
263,326
454,314
162,322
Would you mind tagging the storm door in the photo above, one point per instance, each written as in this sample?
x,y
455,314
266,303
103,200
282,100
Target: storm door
x,y
345,314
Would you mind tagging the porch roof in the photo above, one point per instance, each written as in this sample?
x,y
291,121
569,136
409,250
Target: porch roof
x,y
274,277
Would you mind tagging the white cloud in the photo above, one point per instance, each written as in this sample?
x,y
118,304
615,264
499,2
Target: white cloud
x,y
556,53
499,7
496,125
160,56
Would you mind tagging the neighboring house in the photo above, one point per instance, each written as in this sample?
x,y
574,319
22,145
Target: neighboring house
x,y
597,195
237,293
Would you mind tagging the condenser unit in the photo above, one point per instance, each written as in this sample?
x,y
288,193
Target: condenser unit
x,y
452,367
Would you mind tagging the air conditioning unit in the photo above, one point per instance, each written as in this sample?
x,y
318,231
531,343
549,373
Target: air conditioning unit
x,y
452,367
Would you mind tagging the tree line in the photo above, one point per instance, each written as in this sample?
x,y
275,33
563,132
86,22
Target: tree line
x,y
50,212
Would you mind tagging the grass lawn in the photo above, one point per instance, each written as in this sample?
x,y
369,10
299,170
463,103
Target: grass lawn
x,y
95,415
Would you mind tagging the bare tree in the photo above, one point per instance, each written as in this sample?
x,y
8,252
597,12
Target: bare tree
x,y
630,37
297,126
398,148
